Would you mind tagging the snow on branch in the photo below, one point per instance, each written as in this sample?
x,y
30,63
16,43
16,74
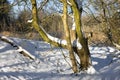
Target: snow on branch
x,y
57,40
19,48
73,25
30,21
69,2
77,44
51,38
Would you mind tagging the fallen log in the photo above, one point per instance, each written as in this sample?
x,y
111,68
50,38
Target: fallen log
x,y
18,47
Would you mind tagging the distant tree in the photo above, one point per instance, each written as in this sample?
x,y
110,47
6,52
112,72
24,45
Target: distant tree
x,y
107,12
21,21
4,14
114,31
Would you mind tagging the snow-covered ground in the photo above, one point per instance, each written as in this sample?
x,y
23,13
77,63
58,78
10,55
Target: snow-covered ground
x,y
51,65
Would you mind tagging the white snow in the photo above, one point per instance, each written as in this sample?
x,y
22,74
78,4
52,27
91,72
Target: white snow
x,y
51,65
64,42
69,2
76,43
21,49
73,26
4,37
91,70
79,45
30,21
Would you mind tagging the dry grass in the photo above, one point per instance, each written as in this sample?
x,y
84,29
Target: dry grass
x,y
30,35
98,36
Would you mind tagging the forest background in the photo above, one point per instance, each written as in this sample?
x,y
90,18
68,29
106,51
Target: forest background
x,y
100,18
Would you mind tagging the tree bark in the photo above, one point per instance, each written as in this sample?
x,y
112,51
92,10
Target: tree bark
x,y
83,53
68,38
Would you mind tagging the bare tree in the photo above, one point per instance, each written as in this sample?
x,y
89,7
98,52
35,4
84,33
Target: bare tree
x,y
4,15
78,46
108,12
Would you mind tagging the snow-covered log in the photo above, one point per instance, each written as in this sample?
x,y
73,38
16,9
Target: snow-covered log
x,y
19,48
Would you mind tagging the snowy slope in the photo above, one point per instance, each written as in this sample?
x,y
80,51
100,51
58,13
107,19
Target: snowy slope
x,y
51,65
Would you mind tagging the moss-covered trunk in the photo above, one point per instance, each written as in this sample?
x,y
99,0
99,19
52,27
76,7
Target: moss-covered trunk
x,y
68,38
83,53
84,56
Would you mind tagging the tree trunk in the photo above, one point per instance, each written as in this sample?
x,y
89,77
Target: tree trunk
x,y
83,53
67,35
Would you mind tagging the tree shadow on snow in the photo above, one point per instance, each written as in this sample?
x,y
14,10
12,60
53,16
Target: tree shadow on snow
x,y
102,62
34,75
103,56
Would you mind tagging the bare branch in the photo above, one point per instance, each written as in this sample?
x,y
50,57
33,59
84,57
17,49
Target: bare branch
x,y
43,4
